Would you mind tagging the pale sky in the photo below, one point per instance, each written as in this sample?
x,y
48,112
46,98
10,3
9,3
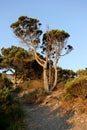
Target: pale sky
x,y
68,15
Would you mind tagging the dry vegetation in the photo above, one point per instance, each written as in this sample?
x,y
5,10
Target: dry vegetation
x,y
32,92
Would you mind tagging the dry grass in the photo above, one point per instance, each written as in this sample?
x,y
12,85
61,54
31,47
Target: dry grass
x,y
78,105
34,84
31,85
32,91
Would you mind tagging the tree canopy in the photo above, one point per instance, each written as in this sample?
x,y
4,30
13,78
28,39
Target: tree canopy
x,y
20,62
53,43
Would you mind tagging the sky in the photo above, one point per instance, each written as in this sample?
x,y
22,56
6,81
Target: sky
x,y
68,15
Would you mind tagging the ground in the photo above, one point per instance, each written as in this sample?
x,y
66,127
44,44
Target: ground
x,y
52,115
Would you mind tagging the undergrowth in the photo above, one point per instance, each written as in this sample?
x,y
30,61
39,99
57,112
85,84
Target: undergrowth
x,y
76,88
35,96
11,113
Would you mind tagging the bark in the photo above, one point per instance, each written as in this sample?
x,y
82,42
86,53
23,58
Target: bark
x,y
40,61
43,63
46,86
55,80
50,76
55,71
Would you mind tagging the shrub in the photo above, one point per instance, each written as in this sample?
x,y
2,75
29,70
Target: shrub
x,y
25,85
35,96
11,117
5,82
40,91
76,88
10,110
5,96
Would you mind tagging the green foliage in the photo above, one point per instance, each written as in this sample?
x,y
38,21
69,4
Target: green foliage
x,y
11,56
11,114
26,26
20,62
76,88
59,35
4,81
65,74
53,42
5,96
10,110
5,87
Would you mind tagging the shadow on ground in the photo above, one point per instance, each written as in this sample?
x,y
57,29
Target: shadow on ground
x,y
47,117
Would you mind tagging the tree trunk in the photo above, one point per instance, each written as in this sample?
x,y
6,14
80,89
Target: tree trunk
x,y
50,75
46,86
43,63
55,80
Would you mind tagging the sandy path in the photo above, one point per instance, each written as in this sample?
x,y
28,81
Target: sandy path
x,y
47,116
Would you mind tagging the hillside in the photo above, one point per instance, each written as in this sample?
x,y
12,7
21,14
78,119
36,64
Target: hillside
x,y
51,111
54,113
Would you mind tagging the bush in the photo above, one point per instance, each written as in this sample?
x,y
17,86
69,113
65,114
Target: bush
x,y
11,117
76,88
5,96
5,90
10,110
35,96
4,81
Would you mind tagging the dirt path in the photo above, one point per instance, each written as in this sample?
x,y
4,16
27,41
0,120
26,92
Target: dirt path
x,y
50,116
47,116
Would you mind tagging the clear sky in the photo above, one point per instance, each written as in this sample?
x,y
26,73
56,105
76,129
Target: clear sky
x,y
68,15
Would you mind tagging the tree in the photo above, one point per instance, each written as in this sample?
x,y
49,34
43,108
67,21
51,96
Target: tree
x,y
53,42
65,74
20,63
16,60
5,82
